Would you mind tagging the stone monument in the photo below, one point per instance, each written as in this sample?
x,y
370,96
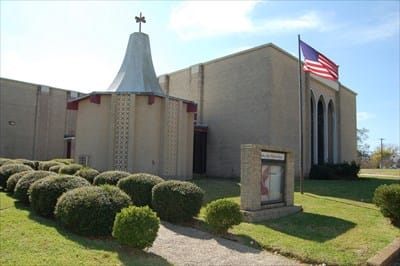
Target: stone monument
x,y
267,182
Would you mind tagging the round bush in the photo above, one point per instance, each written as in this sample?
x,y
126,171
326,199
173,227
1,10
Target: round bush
x,y
222,214
88,173
32,164
177,201
45,165
13,179
70,169
90,210
109,177
387,198
8,170
56,168
136,227
23,184
3,161
43,193
139,186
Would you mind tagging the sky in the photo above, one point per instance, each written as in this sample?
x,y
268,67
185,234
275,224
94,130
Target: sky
x,y
79,45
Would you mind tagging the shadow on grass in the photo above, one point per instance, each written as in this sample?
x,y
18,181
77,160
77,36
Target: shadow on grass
x,y
361,189
127,255
310,226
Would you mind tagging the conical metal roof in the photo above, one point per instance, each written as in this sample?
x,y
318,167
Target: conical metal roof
x,y
137,73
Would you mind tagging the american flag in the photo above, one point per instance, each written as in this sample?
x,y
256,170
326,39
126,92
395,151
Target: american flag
x,y
318,64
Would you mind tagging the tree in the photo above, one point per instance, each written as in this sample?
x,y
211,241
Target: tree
x,y
362,146
389,151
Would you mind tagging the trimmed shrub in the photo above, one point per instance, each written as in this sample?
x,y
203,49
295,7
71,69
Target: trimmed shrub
x,y
56,168
43,193
23,184
9,169
139,186
70,169
45,165
387,198
223,214
109,177
3,161
177,201
63,160
88,173
32,164
335,171
136,227
90,210
13,179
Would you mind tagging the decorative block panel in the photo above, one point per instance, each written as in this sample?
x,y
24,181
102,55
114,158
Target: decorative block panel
x,y
121,132
172,138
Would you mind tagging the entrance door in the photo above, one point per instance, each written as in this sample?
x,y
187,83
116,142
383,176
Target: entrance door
x,y
200,150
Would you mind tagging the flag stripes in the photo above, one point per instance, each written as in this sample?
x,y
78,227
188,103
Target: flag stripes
x,y
318,64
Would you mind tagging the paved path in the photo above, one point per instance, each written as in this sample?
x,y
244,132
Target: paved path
x,y
188,246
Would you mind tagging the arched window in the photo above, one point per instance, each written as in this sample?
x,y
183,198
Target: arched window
x,y
320,130
331,132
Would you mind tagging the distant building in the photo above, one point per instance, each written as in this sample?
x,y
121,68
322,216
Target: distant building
x,y
34,121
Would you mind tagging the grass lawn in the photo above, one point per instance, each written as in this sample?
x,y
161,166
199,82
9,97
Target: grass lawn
x,y
392,172
339,224
28,239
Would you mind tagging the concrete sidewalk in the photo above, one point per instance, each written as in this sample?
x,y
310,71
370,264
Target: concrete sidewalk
x,y
188,246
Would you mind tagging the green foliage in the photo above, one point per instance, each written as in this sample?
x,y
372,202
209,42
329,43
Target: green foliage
x,y
387,198
139,186
177,201
88,173
56,168
136,227
384,155
23,184
343,170
3,161
63,160
32,164
70,169
90,210
45,165
109,177
13,179
8,170
43,193
223,214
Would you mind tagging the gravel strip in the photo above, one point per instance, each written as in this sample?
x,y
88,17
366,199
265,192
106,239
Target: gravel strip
x,y
188,246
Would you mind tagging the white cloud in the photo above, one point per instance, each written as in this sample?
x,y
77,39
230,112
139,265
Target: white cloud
x,y
363,116
310,20
374,30
198,19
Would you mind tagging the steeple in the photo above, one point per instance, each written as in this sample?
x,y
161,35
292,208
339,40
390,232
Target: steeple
x,y
136,73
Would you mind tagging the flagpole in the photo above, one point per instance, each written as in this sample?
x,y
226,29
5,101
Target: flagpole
x,y
301,118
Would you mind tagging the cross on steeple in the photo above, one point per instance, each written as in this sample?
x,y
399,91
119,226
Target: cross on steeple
x,y
139,20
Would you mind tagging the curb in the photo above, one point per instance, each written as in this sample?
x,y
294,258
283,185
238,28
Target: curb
x,y
387,255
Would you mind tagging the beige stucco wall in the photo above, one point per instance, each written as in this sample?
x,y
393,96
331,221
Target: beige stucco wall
x,y
253,97
348,121
126,132
92,132
41,120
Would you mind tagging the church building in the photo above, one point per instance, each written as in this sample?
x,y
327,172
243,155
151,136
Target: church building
x,y
134,126
252,97
190,121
